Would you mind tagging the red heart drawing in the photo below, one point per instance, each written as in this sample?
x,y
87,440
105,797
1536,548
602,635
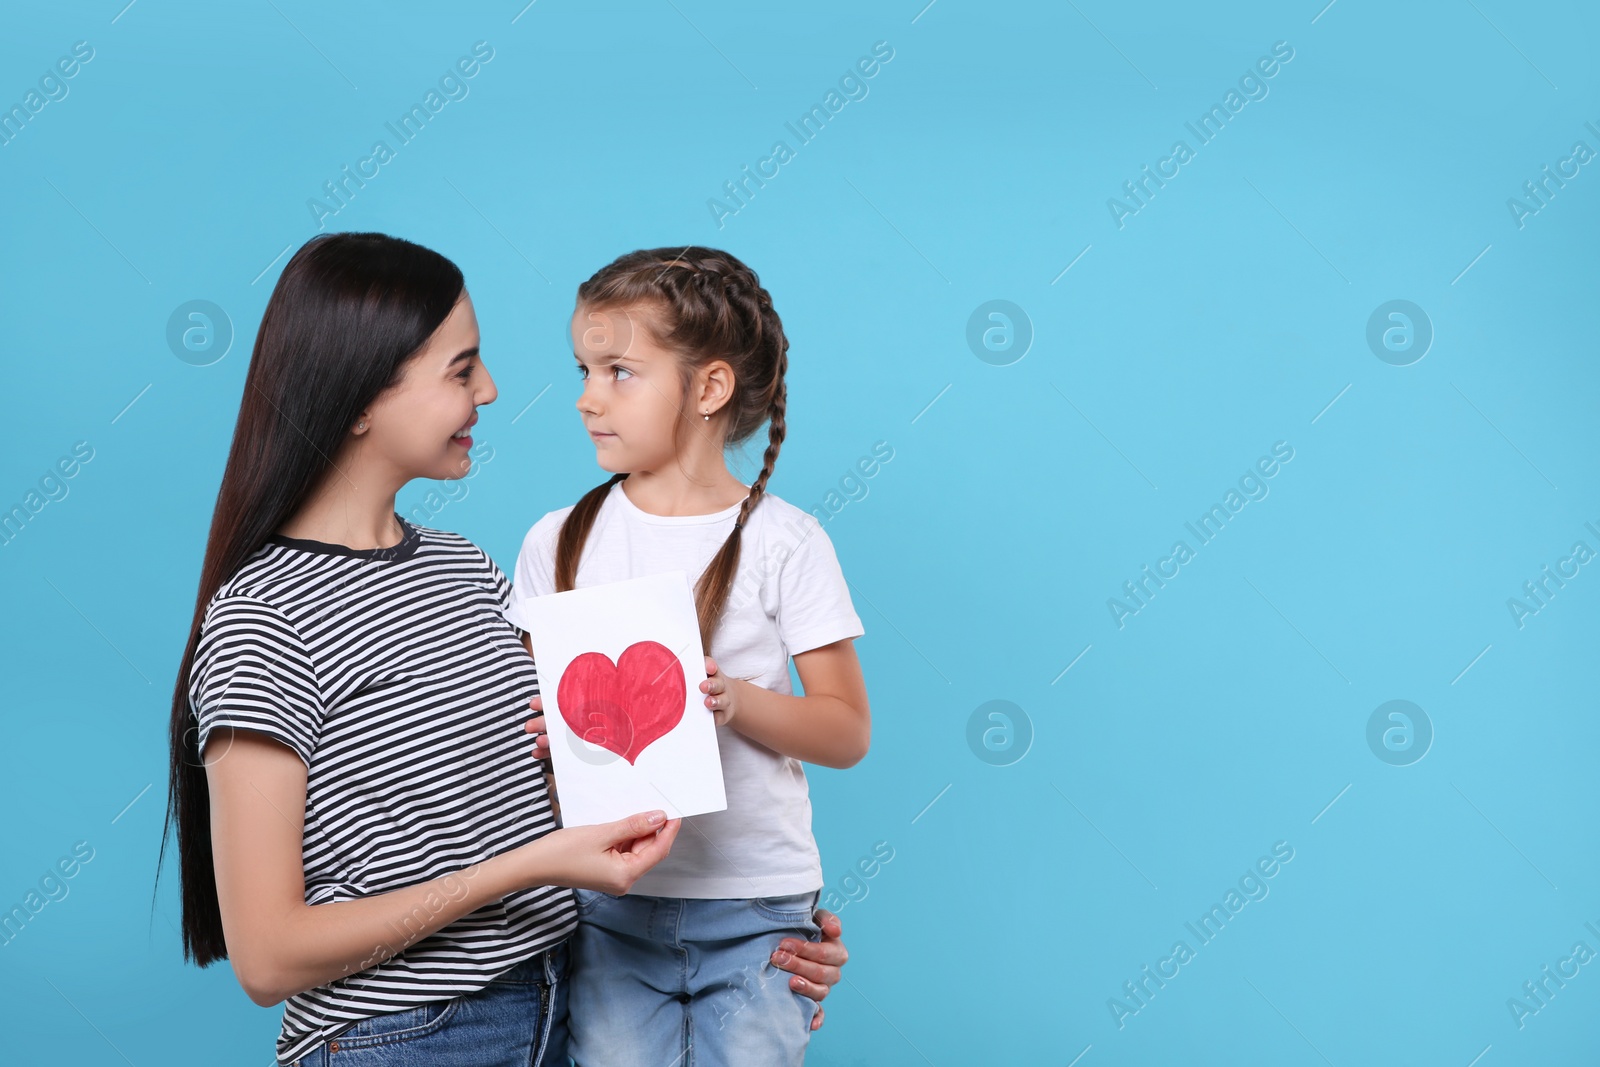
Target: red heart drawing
x,y
624,707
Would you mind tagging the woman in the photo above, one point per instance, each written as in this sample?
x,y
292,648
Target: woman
x,y
361,829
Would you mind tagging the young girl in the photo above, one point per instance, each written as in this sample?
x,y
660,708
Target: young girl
x,y
682,356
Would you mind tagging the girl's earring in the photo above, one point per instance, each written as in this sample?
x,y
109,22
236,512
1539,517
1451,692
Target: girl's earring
x,y
361,426
706,415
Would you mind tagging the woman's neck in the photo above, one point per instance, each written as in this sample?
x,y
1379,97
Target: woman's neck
x,y
349,508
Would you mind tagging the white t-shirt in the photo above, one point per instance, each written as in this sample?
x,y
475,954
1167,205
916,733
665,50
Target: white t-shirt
x,y
788,596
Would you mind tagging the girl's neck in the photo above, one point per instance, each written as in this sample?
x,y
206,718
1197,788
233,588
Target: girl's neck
x,y
671,492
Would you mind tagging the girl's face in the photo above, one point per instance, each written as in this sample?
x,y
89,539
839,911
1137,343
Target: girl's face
x,y
421,426
633,392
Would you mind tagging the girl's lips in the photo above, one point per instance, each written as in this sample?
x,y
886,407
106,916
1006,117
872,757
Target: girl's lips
x,y
464,442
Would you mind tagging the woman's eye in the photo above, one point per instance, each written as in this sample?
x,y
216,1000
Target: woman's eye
x,y
465,373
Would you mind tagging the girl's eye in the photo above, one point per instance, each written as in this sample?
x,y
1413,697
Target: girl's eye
x,y
617,373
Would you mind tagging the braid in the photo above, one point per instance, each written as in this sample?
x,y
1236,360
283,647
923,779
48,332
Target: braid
x,y
777,429
575,532
716,584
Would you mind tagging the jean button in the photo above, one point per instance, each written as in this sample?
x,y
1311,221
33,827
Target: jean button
x,y
333,1046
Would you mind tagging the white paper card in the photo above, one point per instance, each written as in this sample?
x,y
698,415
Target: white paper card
x,y
620,667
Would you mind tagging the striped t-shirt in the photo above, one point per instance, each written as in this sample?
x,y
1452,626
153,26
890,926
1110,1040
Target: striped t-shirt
x,y
395,678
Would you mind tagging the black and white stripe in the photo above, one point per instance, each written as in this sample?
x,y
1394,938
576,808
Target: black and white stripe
x,y
394,676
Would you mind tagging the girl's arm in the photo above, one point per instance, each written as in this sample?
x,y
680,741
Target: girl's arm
x,y
279,945
831,725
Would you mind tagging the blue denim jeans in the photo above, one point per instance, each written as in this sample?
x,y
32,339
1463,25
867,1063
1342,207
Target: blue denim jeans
x,y
517,1020
690,983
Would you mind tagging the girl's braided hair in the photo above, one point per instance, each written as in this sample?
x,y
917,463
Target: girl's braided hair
x,y
705,305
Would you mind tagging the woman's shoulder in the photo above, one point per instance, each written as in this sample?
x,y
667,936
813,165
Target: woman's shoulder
x,y
263,578
448,540
246,613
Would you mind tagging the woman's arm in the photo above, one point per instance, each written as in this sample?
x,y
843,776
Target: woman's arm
x,y
279,945
831,725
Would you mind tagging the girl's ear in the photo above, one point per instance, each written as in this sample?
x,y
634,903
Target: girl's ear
x,y
715,386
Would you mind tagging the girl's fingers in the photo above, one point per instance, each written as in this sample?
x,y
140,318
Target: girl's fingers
x,y
816,1020
541,740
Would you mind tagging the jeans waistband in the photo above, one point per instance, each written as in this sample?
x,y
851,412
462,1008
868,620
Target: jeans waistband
x,y
550,963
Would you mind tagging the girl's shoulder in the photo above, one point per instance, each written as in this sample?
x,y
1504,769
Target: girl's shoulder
x,y
542,535
776,515
779,531
553,519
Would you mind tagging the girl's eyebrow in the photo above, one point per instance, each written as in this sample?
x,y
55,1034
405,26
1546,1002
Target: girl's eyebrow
x,y
607,360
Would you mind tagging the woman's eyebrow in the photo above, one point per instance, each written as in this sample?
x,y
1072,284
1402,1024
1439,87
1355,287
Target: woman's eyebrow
x,y
463,355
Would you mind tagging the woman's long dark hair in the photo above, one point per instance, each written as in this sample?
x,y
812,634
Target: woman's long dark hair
x,y
347,313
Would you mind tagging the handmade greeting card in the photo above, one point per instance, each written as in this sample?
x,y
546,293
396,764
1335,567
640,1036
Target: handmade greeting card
x,y
620,667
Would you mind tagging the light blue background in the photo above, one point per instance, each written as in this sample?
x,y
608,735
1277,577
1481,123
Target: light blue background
x,y
1228,314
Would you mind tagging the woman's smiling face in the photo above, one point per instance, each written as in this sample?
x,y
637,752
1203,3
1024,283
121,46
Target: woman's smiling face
x,y
414,424
631,402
